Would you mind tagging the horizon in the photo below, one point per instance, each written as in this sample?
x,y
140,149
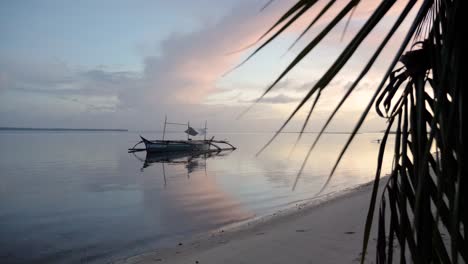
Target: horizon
x,y
169,131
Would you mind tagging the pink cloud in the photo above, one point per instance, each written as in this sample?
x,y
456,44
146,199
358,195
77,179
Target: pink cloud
x,y
190,64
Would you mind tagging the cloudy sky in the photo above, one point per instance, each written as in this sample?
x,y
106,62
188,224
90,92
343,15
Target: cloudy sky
x,y
125,64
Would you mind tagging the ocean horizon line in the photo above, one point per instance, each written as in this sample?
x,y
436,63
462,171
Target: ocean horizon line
x,y
60,129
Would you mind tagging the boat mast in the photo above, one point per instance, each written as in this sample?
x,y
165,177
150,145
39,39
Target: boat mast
x,y
164,129
205,131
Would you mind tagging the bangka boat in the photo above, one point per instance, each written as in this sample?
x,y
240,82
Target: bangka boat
x,y
189,145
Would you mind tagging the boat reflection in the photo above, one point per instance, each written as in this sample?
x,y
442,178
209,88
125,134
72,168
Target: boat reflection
x,y
192,160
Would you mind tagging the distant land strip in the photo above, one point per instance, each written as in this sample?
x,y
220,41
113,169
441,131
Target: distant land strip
x,y
60,129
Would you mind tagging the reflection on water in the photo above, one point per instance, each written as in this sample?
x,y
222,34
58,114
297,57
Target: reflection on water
x,y
192,160
73,197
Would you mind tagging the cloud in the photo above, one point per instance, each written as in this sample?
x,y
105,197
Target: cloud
x,y
178,80
55,86
279,99
18,73
58,78
276,99
189,65
306,86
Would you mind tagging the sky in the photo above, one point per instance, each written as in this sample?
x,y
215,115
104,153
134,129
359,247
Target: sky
x,y
127,64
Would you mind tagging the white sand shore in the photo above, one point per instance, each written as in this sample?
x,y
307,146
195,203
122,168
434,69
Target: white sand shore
x,y
330,232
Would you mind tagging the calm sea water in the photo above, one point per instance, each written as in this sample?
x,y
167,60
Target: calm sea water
x,y
80,197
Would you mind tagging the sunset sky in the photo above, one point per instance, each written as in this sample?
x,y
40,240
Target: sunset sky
x,y
125,64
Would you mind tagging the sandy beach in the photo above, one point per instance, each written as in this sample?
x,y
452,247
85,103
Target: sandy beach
x,y
329,231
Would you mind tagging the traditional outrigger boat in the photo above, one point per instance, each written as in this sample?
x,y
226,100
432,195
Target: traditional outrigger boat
x,y
189,145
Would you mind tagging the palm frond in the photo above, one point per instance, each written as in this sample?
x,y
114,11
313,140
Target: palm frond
x,y
319,15
356,82
425,197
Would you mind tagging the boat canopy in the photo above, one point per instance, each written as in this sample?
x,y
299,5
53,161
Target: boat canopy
x,y
191,131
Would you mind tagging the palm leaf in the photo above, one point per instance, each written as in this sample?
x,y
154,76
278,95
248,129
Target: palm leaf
x,y
319,15
425,197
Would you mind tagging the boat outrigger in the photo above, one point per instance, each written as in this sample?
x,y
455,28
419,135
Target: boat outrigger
x,y
189,145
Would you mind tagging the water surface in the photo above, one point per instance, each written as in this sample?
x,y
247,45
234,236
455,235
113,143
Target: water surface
x,y
80,197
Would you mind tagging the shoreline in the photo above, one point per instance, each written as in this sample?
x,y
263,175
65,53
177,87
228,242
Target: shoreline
x,y
326,229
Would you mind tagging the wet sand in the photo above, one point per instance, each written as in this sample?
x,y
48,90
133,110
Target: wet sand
x,y
329,231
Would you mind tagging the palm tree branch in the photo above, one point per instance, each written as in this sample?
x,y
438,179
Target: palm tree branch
x,y
396,25
319,15
340,61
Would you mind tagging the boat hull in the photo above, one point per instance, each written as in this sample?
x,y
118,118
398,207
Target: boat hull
x,y
168,146
162,146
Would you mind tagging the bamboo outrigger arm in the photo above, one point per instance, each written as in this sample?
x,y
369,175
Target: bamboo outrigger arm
x,y
214,145
224,142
